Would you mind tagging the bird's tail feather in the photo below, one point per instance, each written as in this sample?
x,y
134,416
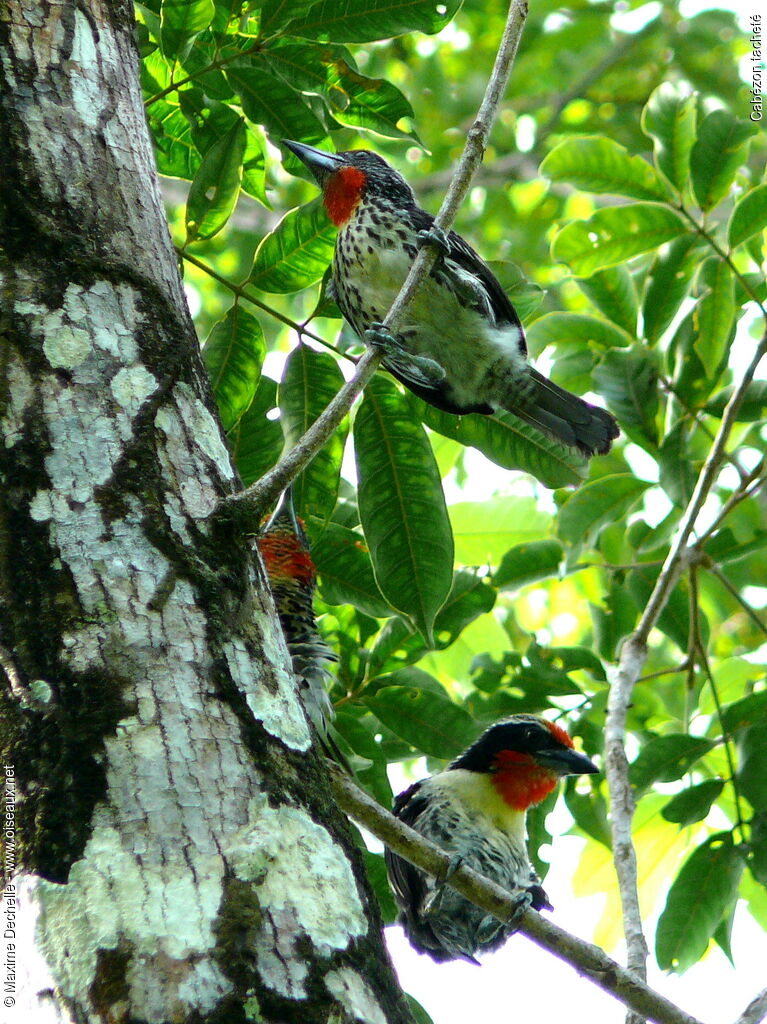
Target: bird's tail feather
x,y
567,417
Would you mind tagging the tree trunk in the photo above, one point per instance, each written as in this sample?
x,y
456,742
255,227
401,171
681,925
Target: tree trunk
x,y
178,856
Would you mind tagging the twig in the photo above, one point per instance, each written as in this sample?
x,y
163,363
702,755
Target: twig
x,y
755,1011
587,959
251,502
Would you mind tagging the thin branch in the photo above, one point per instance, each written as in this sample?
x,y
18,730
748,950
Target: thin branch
x,y
243,292
735,594
755,1011
251,502
622,803
587,959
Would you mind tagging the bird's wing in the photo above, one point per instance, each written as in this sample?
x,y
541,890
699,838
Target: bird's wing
x,y
407,881
487,289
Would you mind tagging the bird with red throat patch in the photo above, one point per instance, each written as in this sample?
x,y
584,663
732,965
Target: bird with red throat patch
x,y
460,346
476,811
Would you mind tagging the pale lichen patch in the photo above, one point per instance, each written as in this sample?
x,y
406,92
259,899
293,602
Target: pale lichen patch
x,y
355,995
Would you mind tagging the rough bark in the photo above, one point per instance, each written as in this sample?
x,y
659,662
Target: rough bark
x,y
179,855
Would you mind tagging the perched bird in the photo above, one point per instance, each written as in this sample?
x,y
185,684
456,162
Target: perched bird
x,y
475,810
293,579
461,346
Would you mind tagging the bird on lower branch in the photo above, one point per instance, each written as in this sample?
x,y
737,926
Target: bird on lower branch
x,y
475,810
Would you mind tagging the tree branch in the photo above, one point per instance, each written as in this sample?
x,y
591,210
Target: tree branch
x,y
623,678
587,959
755,1011
254,500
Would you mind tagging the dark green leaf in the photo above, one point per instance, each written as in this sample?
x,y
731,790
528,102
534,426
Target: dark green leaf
x,y
596,504
589,812
526,563
758,859
402,506
233,355
346,573
216,186
697,901
297,252
509,443
674,620
310,381
257,440
666,758
614,293
678,473
669,119
668,282
749,216
693,804
628,380
752,407
268,100
720,149
598,164
432,724
752,771
614,235
376,871
613,621
359,734
751,710
713,318
363,21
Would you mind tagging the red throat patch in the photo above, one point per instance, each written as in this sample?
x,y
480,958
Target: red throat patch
x,y
284,556
343,193
520,781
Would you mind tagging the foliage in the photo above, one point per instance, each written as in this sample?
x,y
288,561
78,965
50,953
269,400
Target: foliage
x,y
623,151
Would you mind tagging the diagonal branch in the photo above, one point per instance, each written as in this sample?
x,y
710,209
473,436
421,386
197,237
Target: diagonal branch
x,y
755,1011
253,501
587,959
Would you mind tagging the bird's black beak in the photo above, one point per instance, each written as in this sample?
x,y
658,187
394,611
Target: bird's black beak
x,y
566,762
320,163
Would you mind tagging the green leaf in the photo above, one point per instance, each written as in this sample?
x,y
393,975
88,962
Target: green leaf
x,y
375,868
526,563
564,328
268,100
674,620
398,644
346,572
752,770
233,355
432,724
598,164
597,503
614,293
484,530
713,318
402,507
509,443
628,380
669,119
668,283
614,235
678,471
297,252
666,758
751,408
751,710
216,186
310,381
721,147
182,21
749,216
697,901
363,21
693,804
257,440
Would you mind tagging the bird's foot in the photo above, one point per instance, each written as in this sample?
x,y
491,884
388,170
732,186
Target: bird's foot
x,y
433,901
491,932
395,353
434,236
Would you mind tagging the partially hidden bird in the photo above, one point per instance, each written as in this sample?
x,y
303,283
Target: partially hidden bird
x,y
292,576
475,810
461,346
